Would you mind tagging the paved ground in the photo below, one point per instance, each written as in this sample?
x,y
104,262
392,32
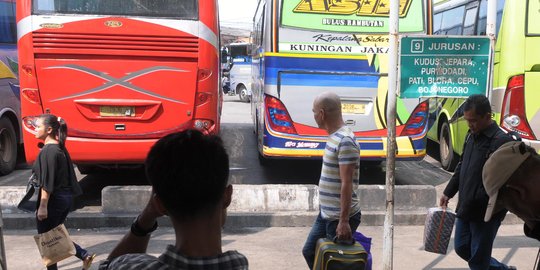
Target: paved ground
x,y
280,247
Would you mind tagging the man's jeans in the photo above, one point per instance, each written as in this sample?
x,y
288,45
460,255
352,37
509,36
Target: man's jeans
x,y
324,228
474,241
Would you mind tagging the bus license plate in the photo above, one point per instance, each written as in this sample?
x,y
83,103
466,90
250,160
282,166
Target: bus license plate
x,y
116,111
353,108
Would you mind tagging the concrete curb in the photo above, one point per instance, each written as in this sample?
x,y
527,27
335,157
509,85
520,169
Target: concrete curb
x,y
91,220
252,206
279,198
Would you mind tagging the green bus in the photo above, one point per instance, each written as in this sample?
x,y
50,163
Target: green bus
x,y
515,96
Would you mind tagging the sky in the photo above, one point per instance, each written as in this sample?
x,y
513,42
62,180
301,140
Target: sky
x,y
237,13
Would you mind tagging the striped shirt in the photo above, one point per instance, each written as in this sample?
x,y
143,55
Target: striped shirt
x,y
341,149
171,259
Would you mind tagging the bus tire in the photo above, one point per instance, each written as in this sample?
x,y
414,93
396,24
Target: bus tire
x,y
449,158
87,168
8,146
243,93
263,161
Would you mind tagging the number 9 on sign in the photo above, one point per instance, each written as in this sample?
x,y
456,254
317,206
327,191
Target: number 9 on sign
x,y
417,46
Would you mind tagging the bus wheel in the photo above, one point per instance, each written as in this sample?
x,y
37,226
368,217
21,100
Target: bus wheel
x,y
449,158
243,94
8,146
263,161
87,168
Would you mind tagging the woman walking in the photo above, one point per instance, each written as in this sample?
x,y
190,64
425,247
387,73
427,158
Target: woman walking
x,y
54,170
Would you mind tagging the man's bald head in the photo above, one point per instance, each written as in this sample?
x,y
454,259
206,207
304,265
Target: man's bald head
x,y
327,111
330,103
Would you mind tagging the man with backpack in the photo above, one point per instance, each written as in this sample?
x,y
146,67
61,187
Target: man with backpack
x,y
474,238
511,179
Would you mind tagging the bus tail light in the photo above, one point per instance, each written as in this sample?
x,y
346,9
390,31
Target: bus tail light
x,y
418,120
28,70
203,74
513,116
201,98
277,116
31,95
204,125
29,123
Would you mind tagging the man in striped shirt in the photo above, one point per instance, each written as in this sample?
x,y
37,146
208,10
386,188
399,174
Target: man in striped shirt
x,y
189,175
339,212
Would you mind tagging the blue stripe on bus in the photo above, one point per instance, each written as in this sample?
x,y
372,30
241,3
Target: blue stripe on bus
x,y
304,79
277,142
275,65
319,64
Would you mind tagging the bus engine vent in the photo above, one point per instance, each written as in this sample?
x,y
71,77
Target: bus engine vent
x,y
117,45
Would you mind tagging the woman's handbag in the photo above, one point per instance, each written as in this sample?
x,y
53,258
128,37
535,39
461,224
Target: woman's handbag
x,y
29,202
55,245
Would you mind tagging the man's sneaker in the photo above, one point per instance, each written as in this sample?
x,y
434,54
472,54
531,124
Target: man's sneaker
x,y
512,268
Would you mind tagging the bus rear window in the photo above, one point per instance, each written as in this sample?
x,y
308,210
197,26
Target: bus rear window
x,y
177,9
533,18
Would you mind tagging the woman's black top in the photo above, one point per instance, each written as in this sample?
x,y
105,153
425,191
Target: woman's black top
x,y
54,170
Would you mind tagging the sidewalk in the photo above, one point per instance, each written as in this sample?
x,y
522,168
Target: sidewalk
x,y
279,248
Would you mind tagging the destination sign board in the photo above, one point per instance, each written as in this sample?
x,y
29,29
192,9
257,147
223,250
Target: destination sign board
x,y
444,66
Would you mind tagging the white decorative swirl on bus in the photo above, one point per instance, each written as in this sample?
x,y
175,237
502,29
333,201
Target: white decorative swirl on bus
x,y
113,81
195,28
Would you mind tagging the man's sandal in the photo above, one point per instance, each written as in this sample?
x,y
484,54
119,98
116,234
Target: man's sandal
x,y
87,262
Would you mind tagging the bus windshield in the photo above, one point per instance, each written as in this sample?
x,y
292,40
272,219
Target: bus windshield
x,y
350,16
177,9
239,50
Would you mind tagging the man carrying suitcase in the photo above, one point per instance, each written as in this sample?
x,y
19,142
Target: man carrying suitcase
x,y
473,239
339,214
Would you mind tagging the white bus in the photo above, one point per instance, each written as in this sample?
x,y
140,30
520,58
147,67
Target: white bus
x,y
237,70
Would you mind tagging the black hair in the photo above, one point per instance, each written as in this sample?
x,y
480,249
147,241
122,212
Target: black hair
x,y
479,103
59,128
189,172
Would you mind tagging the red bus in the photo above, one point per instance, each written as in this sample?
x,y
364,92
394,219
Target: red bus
x,y
121,73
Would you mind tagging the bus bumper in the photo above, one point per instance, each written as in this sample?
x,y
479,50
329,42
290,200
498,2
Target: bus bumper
x,y
100,151
370,148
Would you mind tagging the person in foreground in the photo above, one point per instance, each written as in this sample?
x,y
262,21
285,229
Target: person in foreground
x,y
189,175
512,180
54,171
473,239
339,214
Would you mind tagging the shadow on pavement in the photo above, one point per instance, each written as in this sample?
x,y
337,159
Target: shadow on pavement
x,y
92,184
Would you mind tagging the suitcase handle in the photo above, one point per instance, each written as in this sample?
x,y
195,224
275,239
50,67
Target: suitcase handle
x,y
343,242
